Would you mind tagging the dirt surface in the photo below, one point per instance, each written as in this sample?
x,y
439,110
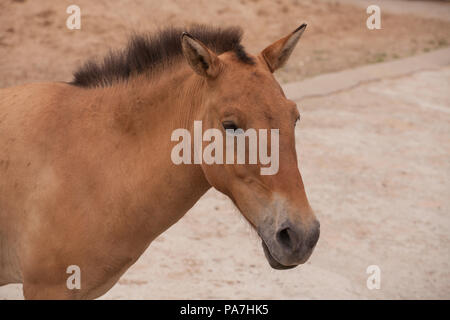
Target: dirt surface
x,y
374,158
35,44
375,163
436,9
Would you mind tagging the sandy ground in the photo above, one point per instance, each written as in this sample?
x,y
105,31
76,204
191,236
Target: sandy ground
x,y
428,8
375,162
374,158
35,44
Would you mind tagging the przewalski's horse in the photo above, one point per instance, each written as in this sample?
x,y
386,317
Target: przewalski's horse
x,y
86,176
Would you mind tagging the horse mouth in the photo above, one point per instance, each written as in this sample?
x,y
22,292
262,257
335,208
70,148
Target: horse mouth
x,y
272,261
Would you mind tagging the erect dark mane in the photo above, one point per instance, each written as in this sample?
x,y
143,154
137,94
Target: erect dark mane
x,y
145,52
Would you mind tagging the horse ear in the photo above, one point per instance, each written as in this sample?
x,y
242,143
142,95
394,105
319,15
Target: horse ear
x,y
277,54
202,60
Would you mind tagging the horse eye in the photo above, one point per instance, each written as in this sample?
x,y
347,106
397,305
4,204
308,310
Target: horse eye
x,y
229,125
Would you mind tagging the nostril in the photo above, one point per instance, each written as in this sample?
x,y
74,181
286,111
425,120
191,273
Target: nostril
x,y
285,238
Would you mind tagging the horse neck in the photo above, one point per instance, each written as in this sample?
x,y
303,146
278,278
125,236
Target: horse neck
x,y
144,114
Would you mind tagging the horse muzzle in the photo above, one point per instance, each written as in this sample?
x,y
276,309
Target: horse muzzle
x,y
289,246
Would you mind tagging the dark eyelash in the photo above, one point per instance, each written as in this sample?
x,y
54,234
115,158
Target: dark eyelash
x,y
229,125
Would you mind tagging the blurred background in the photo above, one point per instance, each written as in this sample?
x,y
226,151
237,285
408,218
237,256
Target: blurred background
x,y
373,144
35,44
